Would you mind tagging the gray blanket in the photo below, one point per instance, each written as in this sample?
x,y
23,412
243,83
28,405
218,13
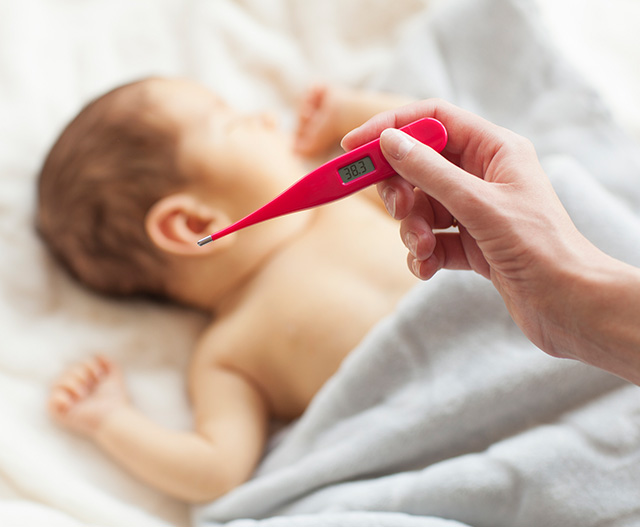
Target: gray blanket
x,y
445,414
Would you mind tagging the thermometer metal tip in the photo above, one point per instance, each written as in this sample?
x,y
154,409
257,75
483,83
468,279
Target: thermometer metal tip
x,y
205,241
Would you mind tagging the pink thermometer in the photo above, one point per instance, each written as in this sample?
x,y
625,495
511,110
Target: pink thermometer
x,y
338,178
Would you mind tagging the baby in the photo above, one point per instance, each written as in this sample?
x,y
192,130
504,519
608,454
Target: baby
x,y
130,186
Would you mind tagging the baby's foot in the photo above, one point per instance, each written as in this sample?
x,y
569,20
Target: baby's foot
x,y
87,393
319,120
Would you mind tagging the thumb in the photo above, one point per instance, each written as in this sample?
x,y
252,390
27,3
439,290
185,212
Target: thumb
x,y
432,173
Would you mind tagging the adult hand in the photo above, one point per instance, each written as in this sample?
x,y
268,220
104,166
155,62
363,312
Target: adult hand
x,y
511,226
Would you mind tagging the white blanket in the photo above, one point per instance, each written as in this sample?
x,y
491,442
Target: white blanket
x,y
444,411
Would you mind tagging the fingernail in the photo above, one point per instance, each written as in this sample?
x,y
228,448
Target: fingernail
x,y
411,241
416,267
345,137
389,199
396,143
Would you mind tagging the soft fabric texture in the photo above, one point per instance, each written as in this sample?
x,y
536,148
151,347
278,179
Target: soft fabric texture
x,y
444,415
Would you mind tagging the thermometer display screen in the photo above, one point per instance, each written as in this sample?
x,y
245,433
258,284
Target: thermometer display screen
x,y
356,169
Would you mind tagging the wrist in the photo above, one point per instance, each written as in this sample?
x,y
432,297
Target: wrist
x,y
599,313
113,420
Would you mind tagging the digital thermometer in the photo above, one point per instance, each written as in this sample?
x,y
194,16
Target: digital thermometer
x,y
338,178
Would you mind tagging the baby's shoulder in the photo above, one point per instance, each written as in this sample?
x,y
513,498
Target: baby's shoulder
x,y
227,341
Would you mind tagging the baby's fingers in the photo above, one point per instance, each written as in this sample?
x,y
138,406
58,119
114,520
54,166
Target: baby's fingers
x,y
60,402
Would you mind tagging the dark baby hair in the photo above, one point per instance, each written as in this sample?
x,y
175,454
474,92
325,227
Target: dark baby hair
x,y
107,168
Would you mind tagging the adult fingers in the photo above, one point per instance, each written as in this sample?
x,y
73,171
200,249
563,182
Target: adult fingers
x,y
448,253
458,191
416,229
397,195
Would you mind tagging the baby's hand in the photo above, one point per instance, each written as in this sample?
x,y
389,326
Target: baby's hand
x,y
87,393
319,120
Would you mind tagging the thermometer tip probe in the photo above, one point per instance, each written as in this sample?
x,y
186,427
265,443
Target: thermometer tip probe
x,y
205,241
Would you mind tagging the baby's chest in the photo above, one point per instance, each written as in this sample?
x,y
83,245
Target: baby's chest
x,y
300,339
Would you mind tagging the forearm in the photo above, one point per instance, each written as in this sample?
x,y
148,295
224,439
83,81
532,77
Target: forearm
x,y
611,326
182,464
603,313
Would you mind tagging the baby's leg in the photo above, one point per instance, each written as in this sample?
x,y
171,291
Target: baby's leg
x,y
87,393
327,113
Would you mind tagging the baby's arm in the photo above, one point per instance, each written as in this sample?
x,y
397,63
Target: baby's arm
x,y
222,452
327,113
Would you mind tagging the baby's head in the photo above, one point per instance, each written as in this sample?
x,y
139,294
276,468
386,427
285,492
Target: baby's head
x,y
146,170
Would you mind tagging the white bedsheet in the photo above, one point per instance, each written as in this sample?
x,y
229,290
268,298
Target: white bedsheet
x,y
54,56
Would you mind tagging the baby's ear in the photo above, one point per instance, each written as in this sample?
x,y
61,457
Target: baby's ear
x,y
176,222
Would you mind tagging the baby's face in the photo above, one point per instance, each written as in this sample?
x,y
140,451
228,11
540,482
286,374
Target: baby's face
x,y
245,157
